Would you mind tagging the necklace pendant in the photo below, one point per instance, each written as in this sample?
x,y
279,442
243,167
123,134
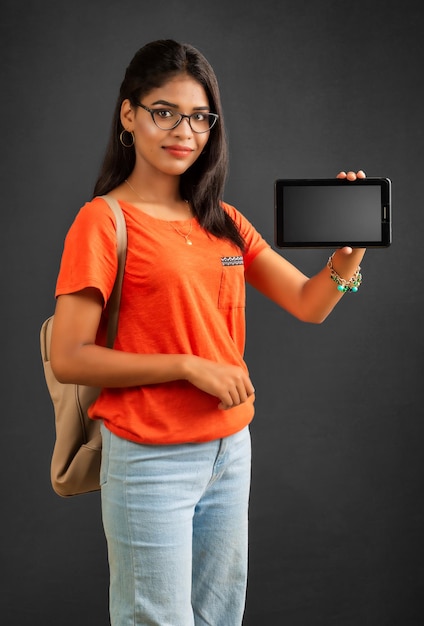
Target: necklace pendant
x,y
188,241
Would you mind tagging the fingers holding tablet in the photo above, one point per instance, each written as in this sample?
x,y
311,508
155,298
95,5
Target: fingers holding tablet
x,y
351,175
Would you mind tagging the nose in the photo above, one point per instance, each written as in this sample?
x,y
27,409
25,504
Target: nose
x,y
183,128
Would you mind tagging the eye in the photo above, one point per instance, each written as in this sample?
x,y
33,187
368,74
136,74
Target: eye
x,y
199,117
164,114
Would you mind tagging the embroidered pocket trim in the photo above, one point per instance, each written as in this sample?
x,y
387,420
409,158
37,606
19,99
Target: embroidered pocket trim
x,y
231,260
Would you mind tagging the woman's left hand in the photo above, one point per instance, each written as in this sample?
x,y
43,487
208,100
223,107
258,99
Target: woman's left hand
x,y
347,250
351,175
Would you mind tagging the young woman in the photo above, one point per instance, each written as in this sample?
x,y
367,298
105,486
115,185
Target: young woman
x,y
177,398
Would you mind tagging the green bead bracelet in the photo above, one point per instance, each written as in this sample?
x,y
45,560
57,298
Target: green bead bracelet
x,y
351,285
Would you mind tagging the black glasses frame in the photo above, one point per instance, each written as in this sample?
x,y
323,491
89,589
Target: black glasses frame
x,y
181,116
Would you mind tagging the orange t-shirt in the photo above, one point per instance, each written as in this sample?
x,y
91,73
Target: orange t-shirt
x,y
176,299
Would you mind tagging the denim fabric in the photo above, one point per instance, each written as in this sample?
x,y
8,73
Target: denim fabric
x,y
175,519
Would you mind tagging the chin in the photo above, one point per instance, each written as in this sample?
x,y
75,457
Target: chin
x,y
178,169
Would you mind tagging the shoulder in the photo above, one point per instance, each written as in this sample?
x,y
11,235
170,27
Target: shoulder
x,y
93,225
230,209
253,239
242,223
95,209
95,215
235,214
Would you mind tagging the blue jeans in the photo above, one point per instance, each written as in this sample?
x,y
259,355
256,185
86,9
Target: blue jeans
x,y
175,519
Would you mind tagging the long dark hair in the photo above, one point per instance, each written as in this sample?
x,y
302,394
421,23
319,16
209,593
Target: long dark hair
x,y
203,183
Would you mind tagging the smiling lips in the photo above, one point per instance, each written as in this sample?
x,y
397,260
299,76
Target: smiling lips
x,y
179,151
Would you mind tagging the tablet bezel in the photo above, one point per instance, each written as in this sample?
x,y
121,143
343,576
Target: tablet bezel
x,y
386,212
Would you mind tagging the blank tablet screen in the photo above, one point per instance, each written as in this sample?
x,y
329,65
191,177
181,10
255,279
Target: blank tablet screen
x,y
321,213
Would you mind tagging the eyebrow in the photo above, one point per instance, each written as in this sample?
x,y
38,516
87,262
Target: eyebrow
x,y
175,106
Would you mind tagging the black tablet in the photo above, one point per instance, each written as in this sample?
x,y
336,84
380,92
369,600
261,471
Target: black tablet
x,y
328,213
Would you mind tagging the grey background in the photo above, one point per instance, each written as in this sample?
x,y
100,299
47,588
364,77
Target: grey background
x,y
309,88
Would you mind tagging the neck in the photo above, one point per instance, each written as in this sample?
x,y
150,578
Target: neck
x,y
160,203
155,187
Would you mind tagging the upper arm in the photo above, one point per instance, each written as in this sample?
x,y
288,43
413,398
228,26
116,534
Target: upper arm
x,y
76,322
277,279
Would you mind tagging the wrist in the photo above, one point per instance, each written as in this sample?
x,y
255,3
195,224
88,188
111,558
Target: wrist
x,y
348,279
187,365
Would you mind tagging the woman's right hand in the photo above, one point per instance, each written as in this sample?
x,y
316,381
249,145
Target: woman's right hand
x,y
229,383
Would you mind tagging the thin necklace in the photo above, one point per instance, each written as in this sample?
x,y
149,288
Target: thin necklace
x,y
185,236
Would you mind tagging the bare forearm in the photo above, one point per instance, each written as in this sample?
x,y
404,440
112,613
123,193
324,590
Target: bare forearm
x,y
101,367
308,299
320,294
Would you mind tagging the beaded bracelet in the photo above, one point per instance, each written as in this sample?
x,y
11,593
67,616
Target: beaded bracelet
x,y
343,285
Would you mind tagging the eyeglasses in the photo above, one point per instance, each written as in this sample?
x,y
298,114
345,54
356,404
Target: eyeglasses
x,y
165,119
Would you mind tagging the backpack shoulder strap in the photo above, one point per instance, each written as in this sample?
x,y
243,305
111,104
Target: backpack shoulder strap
x,y
121,247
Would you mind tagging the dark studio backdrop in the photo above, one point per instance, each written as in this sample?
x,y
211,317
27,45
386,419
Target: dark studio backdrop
x,y
309,88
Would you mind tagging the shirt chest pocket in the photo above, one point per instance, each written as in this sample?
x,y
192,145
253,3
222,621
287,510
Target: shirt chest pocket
x,y
232,290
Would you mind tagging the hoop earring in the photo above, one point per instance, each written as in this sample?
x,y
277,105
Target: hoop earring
x,y
127,145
